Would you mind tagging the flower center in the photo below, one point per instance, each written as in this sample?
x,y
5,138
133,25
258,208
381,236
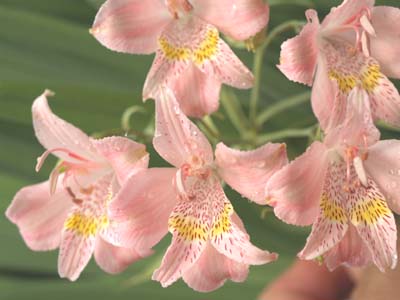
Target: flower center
x,y
189,173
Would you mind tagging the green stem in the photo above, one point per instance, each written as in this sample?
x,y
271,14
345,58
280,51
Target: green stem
x,y
284,134
281,106
234,111
128,113
258,63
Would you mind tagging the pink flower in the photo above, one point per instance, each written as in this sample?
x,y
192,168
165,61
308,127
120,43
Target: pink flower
x,y
191,58
70,210
356,45
209,242
346,187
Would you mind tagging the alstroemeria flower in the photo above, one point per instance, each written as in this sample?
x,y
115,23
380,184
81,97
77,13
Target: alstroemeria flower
x,y
191,58
70,211
355,45
346,187
209,242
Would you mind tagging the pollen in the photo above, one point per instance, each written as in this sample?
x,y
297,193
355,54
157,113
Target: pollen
x,y
85,225
332,210
369,211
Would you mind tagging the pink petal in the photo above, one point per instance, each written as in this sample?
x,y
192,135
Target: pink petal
x,y
131,26
385,44
298,58
125,156
81,230
248,171
227,67
370,214
189,223
385,101
198,44
197,92
356,127
180,256
39,216
228,236
332,223
212,269
235,243
163,72
53,132
325,99
295,190
75,253
239,19
176,138
141,209
350,251
113,259
346,13
383,166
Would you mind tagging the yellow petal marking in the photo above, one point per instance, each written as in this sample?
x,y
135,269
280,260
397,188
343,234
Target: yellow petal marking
x,y
85,225
369,211
205,51
332,211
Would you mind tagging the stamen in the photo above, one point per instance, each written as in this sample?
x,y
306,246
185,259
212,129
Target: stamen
x,y
367,26
359,167
74,198
41,159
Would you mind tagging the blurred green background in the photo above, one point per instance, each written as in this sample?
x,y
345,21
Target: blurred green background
x,y
46,44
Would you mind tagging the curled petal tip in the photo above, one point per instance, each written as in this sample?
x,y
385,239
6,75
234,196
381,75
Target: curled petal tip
x,y
94,30
48,93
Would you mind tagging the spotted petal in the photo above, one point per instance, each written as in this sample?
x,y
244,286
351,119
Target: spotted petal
x,y
229,238
131,26
189,224
81,229
248,171
331,224
350,251
370,214
187,43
